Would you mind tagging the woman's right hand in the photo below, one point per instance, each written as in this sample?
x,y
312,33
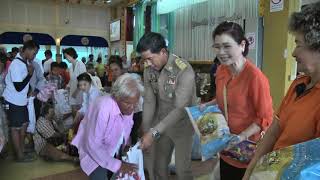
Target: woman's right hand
x,y
127,168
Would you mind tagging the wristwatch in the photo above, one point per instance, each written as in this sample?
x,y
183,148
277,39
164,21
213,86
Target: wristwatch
x,y
155,133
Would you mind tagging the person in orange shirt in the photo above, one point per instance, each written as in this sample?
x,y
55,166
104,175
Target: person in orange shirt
x,y
298,118
249,104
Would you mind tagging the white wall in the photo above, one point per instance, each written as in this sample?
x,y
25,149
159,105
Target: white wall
x,y
46,16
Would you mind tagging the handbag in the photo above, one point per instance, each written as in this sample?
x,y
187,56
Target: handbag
x,y
244,151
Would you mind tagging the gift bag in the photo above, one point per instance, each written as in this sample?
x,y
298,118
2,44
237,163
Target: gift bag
x,y
61,100
297,162
46,92
134,156
32,116
211,129
242,152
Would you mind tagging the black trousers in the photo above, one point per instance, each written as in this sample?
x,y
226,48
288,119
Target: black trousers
x,y
100,174
228,172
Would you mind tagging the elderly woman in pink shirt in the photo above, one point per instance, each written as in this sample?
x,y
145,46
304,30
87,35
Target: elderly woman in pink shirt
x,y
106,128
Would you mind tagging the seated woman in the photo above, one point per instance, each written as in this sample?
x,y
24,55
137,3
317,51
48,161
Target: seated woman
x,y
104,131
47,132
297,119
90,93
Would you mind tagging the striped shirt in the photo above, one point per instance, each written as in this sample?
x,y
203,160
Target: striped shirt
x,y
44,129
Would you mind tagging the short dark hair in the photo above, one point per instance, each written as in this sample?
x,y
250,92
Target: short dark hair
x,y
84,77
90,66
54,65
307,22
151,41
99,59
115,59
235,31
15,49
45,109
91,56
30,45
63,65
71,52
48,52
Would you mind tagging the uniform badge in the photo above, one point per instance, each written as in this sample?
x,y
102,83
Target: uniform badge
x,y
182,65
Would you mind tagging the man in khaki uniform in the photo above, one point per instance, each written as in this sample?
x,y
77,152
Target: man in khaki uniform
x,y
169,87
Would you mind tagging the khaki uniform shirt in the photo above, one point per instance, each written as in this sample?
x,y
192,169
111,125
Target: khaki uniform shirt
x,y
167,93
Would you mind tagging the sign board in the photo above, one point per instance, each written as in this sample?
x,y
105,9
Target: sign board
x,y
276,5
252,40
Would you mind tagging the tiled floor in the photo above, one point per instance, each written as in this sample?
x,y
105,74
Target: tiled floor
x,y
41,170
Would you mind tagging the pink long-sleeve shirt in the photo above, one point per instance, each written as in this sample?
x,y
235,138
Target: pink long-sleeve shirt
x,y
99,135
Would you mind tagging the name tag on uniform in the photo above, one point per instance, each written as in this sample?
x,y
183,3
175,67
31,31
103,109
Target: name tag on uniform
x,y
171,80
153,78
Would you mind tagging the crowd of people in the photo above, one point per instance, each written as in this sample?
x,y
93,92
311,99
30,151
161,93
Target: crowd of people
x,y
23,78
112,108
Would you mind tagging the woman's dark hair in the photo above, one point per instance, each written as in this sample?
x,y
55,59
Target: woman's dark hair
x,y
216,60
235,31
30,45
71,52
151,41
118,63
307,22
45,109
84,77
115,59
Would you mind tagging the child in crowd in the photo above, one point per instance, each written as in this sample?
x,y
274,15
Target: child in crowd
x,y
135,65
63,71
95,79
55,77
48,135
90,93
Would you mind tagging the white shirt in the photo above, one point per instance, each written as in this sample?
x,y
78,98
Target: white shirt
x,y
39,63
47,65
96,81
73,83
17,72
89,98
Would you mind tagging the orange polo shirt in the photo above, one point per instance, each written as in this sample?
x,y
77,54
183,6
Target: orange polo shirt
x,y
248,98
299,117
